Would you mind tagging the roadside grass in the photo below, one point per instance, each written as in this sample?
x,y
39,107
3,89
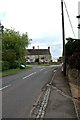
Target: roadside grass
x,y
55,63
13,71
40,64
47,64
44,64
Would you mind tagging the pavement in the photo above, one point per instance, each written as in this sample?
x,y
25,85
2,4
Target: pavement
x,y
60,103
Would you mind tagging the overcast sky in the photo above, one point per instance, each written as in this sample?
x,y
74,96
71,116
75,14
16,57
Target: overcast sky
x,y
42,20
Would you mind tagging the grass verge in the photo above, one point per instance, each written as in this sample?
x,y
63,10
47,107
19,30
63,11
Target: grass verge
x,y
44,64
13,71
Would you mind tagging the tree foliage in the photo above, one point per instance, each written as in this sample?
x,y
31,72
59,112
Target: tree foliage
x,y
13,48
73,52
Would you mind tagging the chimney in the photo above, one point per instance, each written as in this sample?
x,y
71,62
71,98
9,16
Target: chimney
x,y
33,47
49,48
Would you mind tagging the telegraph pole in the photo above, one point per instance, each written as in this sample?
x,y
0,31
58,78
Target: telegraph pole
x,y
63,34
79,23
78,20
1,30
38,54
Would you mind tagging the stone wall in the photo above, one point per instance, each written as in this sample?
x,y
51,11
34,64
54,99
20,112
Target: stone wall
x,y
74,76
74,82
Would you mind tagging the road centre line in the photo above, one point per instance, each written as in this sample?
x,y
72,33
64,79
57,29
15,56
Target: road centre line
x,y
42,69
29,75
5,87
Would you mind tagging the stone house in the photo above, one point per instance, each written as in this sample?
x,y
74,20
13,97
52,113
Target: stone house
x,y
38,55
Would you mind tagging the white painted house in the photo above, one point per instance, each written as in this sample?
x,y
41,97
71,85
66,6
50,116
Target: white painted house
x,y
39,55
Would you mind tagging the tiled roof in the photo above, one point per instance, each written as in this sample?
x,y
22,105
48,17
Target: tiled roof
x,y
38,52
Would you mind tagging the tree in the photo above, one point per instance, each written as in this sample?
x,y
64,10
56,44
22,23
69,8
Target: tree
x,y
14,47
73,52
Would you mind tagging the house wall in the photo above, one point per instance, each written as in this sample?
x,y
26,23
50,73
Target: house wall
x,y
47,58
32,58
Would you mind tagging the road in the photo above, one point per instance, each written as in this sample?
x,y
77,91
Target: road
x,y
20,91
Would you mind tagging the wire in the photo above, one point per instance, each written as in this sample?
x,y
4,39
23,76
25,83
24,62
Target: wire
x,y
69,18
45,45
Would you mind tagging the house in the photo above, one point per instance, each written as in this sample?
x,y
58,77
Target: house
x,y
59,60
39,55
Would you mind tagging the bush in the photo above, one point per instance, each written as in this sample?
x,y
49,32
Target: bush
x,y
5,65
15,64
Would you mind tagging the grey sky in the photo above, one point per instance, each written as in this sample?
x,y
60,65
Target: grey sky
x,y
41,19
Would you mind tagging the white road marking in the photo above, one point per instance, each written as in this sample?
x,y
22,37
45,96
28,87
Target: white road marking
x,y
5,87
42,69
29,75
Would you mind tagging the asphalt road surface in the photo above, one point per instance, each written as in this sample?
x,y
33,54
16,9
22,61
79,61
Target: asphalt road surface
x,y
20,91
